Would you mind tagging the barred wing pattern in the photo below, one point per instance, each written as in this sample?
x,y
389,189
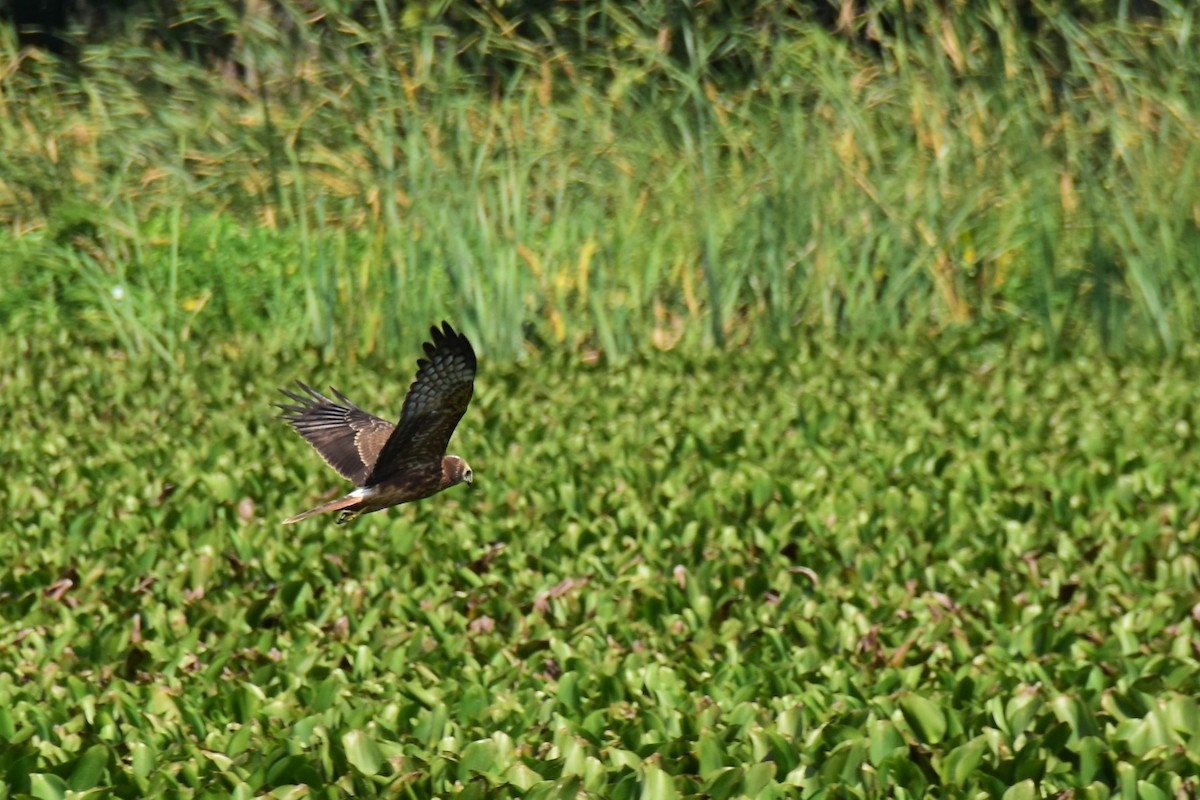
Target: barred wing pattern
x,y
348,438
436,401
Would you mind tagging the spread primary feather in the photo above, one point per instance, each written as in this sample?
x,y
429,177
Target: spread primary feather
x,y
398,463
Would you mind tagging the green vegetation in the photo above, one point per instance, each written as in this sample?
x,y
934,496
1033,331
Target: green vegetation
x,y
946,569
596,181
835,434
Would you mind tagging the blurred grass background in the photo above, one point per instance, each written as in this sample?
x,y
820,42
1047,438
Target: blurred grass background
x,y
603,177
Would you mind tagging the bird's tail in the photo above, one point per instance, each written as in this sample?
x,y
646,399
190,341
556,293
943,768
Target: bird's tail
x,y
333,505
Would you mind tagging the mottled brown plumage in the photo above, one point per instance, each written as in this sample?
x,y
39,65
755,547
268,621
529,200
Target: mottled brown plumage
x,y
392,464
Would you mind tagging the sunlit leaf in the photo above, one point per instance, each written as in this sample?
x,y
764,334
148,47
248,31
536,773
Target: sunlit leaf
x,y
924,716
362,752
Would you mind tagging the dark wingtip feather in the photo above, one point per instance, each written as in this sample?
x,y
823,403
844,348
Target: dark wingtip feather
x,y
461,340
445,333
313,400
448,336
304,402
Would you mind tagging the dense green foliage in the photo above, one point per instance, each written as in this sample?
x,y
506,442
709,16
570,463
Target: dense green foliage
x,y
813,457
337,171
932,570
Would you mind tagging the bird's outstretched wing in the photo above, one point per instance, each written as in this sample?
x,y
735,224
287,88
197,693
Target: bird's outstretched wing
x,y
435,403
348,438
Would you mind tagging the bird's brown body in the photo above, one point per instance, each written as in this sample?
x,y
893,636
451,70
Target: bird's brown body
x,y
392,464
422,481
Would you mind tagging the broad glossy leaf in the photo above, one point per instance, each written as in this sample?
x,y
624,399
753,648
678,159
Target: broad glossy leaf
x,y
1025,790
362,752
962,761
46,786
657,785
756,777
89,769
924,716
885,741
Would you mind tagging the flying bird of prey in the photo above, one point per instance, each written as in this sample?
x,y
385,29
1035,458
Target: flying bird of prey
x,y
392,464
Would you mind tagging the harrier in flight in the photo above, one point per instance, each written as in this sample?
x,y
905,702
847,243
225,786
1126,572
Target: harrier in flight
x,y
392,464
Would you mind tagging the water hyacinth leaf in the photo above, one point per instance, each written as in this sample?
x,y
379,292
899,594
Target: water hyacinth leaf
x,y
762,490
249,699
1122,706
432,723
522,777
143,759
1145,734
624,759
1127,780
478,788
570,787
1070,711
962,761
757,777
242,739
926,719
1183,714
783,752
475,700
724,783
45,786
657,785
504,746
710,754
1148,791
222,761
362,752
568,691
478,757
1092,759
595,775
885,741
1025,790
1020,712
89,769
293,769
901,771
290,792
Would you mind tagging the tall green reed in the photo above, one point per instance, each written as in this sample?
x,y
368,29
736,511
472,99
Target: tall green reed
x,y
345,181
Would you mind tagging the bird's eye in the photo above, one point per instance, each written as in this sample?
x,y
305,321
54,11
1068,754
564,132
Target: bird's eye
x,y
467,474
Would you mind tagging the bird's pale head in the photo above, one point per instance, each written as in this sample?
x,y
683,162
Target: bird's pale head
x,y
456,470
